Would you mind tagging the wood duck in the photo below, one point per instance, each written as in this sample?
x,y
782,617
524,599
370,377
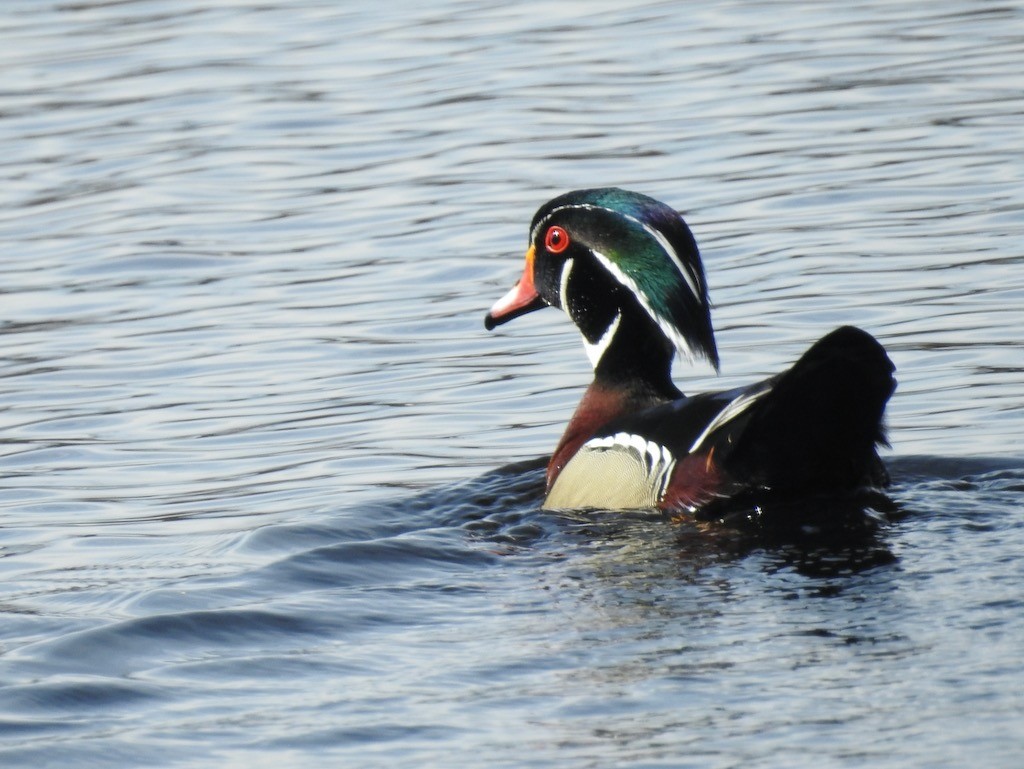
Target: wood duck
x,y
626,270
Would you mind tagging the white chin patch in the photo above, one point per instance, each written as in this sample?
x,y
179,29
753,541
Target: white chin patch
x,y
595,350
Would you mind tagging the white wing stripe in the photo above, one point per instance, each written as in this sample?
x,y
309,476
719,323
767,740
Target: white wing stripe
x,y
732,409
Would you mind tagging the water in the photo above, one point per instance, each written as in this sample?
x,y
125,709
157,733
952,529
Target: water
x,y
250,417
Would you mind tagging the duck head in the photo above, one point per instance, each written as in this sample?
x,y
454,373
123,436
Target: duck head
x,y
626,270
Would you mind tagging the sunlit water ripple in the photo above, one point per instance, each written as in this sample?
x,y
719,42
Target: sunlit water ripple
x,y
250,417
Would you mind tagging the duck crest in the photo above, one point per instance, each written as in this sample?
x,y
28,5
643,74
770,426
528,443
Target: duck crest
x,y
646,248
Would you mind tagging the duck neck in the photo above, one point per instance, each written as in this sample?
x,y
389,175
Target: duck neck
x,y
638,361
633,373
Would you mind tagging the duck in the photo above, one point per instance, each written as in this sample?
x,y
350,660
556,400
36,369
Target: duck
x,y
627,271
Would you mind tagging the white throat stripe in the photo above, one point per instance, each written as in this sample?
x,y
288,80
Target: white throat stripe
x,y
597,349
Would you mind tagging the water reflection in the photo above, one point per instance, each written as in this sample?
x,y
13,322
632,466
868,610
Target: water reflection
x,y
247,414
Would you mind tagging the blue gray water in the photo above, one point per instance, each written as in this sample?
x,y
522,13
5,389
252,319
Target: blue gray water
x,y
250,419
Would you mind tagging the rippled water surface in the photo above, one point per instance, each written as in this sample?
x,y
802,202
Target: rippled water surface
x,y
250,417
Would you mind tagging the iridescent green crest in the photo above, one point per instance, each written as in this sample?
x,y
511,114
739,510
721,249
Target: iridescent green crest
x,y
647,247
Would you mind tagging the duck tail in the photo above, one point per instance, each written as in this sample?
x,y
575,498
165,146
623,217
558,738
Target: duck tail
x,y
821,423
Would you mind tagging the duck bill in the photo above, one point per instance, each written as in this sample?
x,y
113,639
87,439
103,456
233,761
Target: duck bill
x,y
523,298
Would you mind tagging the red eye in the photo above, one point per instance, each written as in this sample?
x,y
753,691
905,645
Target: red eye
x,y
557,240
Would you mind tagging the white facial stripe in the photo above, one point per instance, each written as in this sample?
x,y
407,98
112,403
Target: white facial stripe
x,y
667,328
732,410
596,350
693,281
542,222
563,284
691,278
